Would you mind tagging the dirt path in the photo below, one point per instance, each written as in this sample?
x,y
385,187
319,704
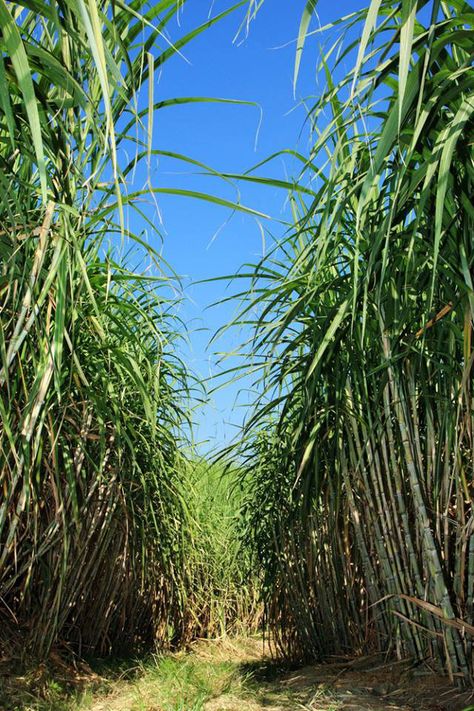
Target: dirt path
x,y
237,676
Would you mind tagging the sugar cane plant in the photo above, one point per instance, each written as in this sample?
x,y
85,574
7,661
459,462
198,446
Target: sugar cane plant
x,y
361,443
92,393
221,590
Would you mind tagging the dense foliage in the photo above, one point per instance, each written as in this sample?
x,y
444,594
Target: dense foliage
x,y
362,441
93,397
222,592
358,494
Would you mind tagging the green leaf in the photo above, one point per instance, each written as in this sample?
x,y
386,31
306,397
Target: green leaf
x,y
328,336
16,52
406,42
308,12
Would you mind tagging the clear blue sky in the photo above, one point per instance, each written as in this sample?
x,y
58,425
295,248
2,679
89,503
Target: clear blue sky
x,y
202,240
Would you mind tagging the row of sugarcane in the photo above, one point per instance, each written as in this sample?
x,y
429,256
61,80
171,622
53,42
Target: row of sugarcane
x,y
362,438
100,548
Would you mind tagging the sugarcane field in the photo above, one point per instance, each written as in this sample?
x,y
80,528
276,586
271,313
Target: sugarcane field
x,y
236,355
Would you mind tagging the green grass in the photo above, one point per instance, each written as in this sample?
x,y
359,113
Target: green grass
x,y
184,684
179,682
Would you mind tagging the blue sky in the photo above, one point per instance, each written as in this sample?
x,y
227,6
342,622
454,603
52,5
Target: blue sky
x,y
201,240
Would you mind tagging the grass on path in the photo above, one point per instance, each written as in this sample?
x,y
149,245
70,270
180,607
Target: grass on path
x,y
212,672
231,675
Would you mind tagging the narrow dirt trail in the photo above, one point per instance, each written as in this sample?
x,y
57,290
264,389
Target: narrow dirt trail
x,y
238,676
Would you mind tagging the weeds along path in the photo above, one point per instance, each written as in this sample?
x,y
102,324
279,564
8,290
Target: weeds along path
x,y
235,675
